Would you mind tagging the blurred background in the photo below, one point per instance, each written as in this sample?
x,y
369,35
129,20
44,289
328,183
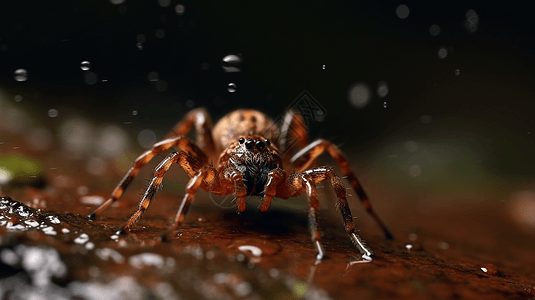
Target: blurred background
x,y
431,101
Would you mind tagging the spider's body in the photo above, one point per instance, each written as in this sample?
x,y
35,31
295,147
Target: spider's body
x,y
247,146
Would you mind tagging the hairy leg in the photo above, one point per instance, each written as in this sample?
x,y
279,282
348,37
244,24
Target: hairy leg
x,y
200,118
307,155
305,182
181,142
182,158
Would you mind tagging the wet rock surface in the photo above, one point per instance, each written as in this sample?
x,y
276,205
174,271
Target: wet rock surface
x,y
57,253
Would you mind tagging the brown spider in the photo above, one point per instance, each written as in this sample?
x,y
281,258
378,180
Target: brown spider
x,y
249,163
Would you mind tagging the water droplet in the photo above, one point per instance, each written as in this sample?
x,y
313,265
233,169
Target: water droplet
x,y
180,9
415,170
323,67
140,38
457,72
231,87
382,89
231,63
160,33
402,11
153,76
134,113
472,21
139,46
408,246
359,95
146,138
434,30
85,65
21,75
164,3
90,78
490,269
384,104
53,113
442,52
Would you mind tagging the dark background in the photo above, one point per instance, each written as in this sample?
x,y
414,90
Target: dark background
x,y
484,116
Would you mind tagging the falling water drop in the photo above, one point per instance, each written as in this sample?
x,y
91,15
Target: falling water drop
x,y
457,72
85,65
384,104
231,87
231,63
21,75
323,67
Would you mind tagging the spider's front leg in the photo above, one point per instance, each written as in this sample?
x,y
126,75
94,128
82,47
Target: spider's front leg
x,y
304,158
188,162
298,183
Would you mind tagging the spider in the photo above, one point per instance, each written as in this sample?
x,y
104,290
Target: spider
x,y
247,145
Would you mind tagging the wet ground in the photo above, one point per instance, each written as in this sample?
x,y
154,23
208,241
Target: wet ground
x,y
442,249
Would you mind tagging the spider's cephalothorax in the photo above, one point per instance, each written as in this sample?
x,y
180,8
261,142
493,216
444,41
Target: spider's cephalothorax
x,y
254,157
246,144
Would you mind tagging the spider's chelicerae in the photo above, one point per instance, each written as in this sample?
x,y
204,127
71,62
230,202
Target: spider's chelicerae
x,y
247,146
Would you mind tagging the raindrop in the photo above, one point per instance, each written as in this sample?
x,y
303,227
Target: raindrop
x,y
179,8
160,33
146,138
434,30
231,87
134,113
408,246
457,72
112,141
21,75
90,78
442,52
472,21
323,67
384,104
231,63
382,89
53,113
359,95
153,76
161,85
425,119
415,170
139,46
402,11
164,3
85,65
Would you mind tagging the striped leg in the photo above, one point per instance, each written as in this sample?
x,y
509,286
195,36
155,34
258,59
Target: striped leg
x,y
200,118
181,142
206,174
307,155
187,161
306,181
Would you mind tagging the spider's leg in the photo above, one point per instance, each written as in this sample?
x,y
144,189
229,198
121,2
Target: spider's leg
x,y
206,175
187,161
298,183
307,155
240,190
293,131
274,177
200,118
181,142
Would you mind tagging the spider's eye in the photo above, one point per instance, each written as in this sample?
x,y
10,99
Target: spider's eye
x,y
268,142
241,140
249,145
260,145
